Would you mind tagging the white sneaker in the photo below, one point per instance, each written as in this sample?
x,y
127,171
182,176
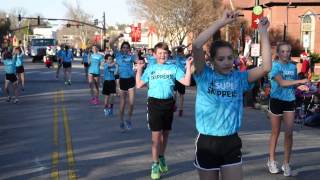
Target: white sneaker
x,y
272,166
286,170
15,101
106,113
8,99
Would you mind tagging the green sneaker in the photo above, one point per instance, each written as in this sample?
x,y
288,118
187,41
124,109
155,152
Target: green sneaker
x,y
155,171
163,165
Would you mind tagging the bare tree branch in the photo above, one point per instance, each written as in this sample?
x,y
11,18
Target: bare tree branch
x,y
176,19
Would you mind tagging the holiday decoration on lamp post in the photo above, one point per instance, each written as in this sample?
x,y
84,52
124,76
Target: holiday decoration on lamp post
x,y
135,33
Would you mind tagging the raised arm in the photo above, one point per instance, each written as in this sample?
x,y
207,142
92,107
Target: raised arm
x,y
198,54
139,82
258,72
22,50
113,40
187,78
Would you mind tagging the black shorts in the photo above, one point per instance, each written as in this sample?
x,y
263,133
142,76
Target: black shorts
x,y
179,87
215,152
116,76
94,75
66,64
20,69
109,87
85,64
160,114
59,62
277,106
127,83
193,82
11,77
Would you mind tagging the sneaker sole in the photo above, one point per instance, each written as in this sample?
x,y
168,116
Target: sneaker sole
x,y
286,175
155,177
276,172
164,172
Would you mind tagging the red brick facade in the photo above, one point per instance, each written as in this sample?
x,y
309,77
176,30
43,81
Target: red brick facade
x,y
291,14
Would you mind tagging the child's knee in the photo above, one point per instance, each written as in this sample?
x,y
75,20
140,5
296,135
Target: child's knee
x,y
288,133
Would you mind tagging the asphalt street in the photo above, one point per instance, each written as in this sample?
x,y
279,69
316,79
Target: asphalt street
x,y
55,133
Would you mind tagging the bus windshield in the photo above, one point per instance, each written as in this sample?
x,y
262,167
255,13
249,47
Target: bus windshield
x,y
42,42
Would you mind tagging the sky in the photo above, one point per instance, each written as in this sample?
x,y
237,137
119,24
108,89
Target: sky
x,y
117,11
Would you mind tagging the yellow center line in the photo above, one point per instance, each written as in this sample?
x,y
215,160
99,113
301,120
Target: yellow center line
x,y
55,154
55,170
70,157
55,121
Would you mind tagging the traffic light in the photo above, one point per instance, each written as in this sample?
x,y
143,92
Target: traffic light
x,y
96,22
257,14
19,17
38,20
68,25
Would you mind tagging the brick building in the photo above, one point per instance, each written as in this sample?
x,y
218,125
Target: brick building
x,y
296,20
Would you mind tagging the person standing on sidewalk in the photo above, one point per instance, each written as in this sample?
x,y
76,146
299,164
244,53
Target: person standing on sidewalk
x,y
219,107
160,78
283,79
125,61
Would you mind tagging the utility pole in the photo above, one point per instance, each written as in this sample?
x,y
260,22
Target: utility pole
x,y
104,29
284,32
256,39
8,23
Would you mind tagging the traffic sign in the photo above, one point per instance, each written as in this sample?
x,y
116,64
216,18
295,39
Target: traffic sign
x,y
306,40
255,50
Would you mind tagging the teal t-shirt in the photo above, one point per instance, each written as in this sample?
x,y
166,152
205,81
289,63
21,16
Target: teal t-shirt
x,y
109,72
67,56
151,60
287,71
60,54
181,62
125,64
19,60
161,80
219,101
85,57
9,66
95,61
170,60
